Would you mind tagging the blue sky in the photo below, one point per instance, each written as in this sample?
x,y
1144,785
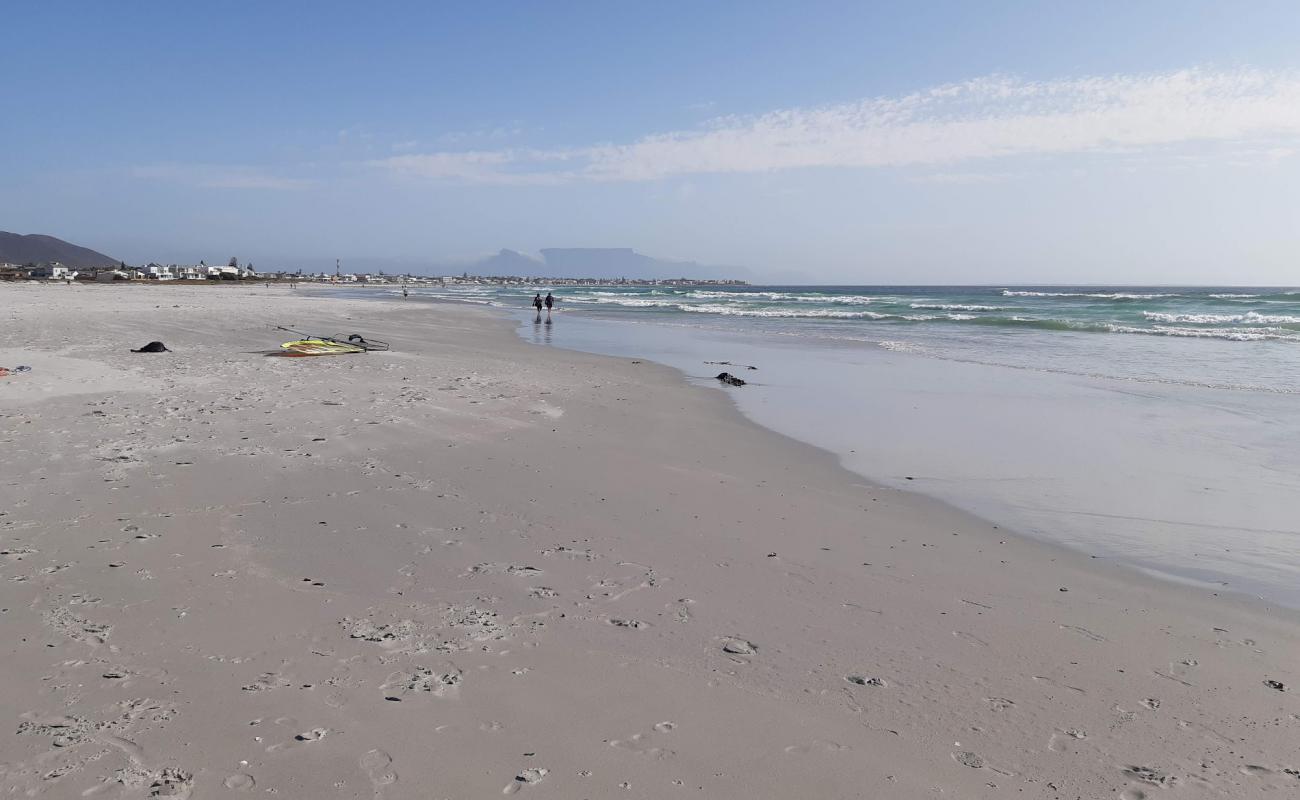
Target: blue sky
x,y
839,142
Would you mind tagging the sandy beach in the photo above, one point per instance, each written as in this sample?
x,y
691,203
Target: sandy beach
x,y
471,567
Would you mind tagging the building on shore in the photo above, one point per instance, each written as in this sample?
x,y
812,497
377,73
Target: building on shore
x,y
53,272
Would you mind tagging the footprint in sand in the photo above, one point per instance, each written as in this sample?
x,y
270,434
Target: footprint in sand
x,y
240,782
313,735
75,627
172,783
387,635
641,742
528,777
16,553
969,759
444,683
1150,775
497,568
570,552
378,766
1065,741
267,682
975,761
627,623
739,647
816,745
301,738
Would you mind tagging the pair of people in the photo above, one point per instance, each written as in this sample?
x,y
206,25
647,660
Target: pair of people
x,y
538,302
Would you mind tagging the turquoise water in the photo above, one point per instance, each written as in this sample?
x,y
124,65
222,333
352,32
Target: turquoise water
x,y
1226,337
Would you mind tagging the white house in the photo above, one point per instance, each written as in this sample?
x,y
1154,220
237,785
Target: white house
x,y
55,272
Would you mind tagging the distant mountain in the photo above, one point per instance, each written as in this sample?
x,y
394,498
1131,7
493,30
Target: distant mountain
x,y
15,248
596,262
508,262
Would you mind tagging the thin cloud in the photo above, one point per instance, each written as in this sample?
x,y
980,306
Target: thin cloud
x,y
986,118
504,167
217,176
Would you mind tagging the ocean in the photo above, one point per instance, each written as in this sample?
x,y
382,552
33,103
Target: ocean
x,y
1095,331
1159,426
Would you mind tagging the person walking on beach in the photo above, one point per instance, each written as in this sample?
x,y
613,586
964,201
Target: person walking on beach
x,y
550,301
537,304
404,293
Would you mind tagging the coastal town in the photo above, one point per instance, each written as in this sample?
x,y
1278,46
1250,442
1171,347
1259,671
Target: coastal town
x,y
234,271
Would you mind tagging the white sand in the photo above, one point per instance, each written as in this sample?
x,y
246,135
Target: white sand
x,y
472,567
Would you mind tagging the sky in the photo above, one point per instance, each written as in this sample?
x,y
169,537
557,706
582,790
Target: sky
x,y
854,142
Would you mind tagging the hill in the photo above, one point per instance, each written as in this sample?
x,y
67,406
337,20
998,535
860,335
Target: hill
x,y
624,262
508,262
35,248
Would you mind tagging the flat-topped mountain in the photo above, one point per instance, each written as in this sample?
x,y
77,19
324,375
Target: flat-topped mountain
x,y
35,248
596,262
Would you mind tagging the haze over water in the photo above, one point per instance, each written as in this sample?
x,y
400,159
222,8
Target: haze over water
x,y
1149,424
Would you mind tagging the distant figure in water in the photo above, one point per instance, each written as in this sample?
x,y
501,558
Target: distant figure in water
x,y
537,304
550,301
404,293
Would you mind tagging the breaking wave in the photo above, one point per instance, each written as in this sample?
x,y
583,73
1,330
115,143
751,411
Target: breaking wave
x,y
1249,318
1227,313
958,307
1088,295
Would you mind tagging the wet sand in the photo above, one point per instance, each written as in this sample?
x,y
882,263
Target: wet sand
x,y
1190,483
472,566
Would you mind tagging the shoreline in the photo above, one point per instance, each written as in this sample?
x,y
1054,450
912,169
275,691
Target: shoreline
x,y
512,319
1218,580
702,574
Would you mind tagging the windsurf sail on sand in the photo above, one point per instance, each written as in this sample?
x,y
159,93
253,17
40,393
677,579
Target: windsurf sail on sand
x,y
318,347
356,341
